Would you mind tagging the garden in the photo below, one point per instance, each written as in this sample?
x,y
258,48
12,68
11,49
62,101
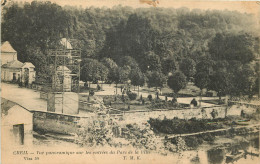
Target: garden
x,y
131,102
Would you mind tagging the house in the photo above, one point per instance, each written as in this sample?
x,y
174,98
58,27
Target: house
x,y
28,73
16,71
17,124
8,54
12,70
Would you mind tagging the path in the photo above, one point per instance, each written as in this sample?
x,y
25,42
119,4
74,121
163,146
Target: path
x,y
28,98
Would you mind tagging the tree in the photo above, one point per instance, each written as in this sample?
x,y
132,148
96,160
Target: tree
x,y
247,80
220,82
112,68
93,71
116,76
137,77
39,24
128,61
39,60
145,38
152,62
256,87
202,75
233,47
155,79
124,73
233,53
203,71
169,64
177,81
188,67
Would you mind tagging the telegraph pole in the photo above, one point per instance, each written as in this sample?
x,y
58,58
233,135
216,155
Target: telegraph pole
x,y
258,75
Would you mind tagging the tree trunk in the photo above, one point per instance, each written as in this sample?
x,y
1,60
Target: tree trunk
x,y
138,90
116,88
200,97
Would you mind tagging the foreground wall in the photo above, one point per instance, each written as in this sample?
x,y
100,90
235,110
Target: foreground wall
x,y
53,122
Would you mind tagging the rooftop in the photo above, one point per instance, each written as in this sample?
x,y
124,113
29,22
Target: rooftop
x,y
64,42
28,65
13,64
6,47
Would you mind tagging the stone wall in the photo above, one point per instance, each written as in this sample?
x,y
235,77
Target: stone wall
x,y
55,123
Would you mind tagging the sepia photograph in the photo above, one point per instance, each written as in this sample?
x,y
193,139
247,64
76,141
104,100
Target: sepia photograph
x,y
130,81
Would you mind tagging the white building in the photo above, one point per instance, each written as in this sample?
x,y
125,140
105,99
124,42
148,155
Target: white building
x,y
8,54
17,126
28,73
12,70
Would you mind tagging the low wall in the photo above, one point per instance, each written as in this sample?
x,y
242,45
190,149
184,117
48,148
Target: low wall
x,y
56,123
252,105
143,117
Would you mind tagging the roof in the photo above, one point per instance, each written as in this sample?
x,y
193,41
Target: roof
x,y
13,64
6,105
63,68
64,42
6,47
28,65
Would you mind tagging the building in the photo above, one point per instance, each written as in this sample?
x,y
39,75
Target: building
x,y
17,124
8,54
28,73
66,44
18,72
12,70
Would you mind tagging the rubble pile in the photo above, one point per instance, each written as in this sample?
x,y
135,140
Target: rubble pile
x,y
143,137
94,132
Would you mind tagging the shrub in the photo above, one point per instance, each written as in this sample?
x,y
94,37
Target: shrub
x,y
150,97
132,95
181,126
91,93
208,137
191,142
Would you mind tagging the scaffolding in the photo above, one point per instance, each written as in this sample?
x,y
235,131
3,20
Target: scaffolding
x,y
64,78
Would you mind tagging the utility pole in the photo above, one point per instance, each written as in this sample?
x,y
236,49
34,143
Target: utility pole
x,y
258,75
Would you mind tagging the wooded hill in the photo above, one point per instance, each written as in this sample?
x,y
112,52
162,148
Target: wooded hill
x,y
215,49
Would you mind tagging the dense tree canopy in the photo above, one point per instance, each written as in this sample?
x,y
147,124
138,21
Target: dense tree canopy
x,y
93,71
125,43
155,79
177,81
187,66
